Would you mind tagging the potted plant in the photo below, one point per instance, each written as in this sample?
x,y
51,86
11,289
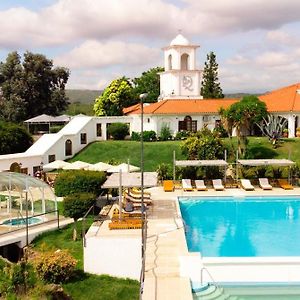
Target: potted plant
x,y
298,131
285,132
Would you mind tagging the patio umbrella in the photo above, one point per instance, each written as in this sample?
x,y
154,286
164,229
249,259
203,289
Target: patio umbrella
x,y
100,166
57,164
77,165
125,168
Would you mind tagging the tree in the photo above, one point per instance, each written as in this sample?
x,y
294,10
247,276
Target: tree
x,y
76,205
148,83
31,88
210,84
242,116
13,138
115,97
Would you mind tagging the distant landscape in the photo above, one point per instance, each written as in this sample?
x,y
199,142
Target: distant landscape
x,y
82,101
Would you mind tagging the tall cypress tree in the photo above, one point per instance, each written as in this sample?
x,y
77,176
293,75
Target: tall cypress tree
x,y
210,83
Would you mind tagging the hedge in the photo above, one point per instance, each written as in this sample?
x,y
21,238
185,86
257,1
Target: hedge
x,y
79,181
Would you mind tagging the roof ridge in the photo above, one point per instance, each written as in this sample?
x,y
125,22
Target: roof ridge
x,y
160,104
295,96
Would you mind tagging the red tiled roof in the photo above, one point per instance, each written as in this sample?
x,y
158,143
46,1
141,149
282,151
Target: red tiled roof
x,y
131,109
186,106
283,100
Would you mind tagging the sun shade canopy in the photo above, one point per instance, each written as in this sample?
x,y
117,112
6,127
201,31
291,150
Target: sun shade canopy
x,y
200,163
130,180
266,162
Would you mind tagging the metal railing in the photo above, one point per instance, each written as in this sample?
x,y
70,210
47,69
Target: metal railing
x,y
210,276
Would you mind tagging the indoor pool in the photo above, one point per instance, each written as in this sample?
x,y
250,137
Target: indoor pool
x,y
242,226
19,222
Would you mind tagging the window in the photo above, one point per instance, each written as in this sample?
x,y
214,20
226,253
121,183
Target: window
x,y
51,158
170,62
187,124
68,147
206,118
98,129
83,138
148,120
184,61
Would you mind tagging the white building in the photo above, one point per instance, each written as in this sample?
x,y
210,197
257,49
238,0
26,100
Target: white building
x,y
180,107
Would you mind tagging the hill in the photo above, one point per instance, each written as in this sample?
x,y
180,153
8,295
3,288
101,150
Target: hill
x,y
83,96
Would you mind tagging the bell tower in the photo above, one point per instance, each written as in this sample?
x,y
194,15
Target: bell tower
x,y
180,79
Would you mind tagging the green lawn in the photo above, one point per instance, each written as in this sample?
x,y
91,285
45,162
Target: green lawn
x,y
156,153
86,286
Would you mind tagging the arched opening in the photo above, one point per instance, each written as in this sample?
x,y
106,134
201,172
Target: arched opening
x,y
15,167
187,124
170,62
185,61
68,147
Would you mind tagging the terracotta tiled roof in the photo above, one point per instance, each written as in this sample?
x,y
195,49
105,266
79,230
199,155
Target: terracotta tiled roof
x,y
283,100
131,109
186,106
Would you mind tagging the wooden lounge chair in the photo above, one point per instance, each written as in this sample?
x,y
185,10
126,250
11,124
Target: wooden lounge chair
x,y
200,185
187,184
133,214
168,185
125,224
218,185
283,183
264,184
246,185
147,201
137,192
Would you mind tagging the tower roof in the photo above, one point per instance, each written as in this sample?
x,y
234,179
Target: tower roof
x,y
180,40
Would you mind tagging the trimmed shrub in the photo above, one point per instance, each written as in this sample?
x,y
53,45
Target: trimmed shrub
x,y
118,131
55,267
135,136
76,205
149,136
182,135
78,181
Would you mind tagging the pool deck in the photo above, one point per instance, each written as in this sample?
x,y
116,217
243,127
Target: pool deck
x,y
166,244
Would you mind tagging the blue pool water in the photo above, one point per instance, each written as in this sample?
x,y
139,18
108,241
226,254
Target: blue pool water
x,y
16,221
242,227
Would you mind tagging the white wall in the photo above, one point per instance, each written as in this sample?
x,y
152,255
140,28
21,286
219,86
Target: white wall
x,y
115,256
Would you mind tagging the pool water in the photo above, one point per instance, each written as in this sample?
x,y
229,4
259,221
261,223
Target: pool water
x,y
20,222
242,227
254,292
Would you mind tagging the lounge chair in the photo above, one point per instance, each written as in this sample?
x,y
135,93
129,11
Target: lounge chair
x,y
134,214
147,201
125,224
200,185
168,185
137,192
283,183
246,185
218,185
187,184
264,184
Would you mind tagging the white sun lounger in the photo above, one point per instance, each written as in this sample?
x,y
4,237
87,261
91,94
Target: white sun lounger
x,y
246,185
200,185
187,184
218,185
264,184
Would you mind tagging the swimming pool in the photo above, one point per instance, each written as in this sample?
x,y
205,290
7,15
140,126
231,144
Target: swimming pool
x,y
242,226
20,222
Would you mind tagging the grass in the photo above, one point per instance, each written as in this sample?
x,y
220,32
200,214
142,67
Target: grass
x,y
84,285
156,153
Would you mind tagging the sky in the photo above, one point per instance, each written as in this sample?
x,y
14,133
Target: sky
x,y
256,42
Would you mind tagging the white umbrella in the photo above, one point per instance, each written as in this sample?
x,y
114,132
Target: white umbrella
x,y
57,164
125,168
77,165
100,166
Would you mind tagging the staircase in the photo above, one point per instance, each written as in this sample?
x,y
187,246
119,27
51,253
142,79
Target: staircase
x,y
211,292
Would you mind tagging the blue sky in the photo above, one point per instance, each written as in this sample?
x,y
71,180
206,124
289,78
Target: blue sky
x,y
256,42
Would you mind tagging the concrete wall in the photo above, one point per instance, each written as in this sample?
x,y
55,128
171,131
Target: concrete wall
x,y
115,256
